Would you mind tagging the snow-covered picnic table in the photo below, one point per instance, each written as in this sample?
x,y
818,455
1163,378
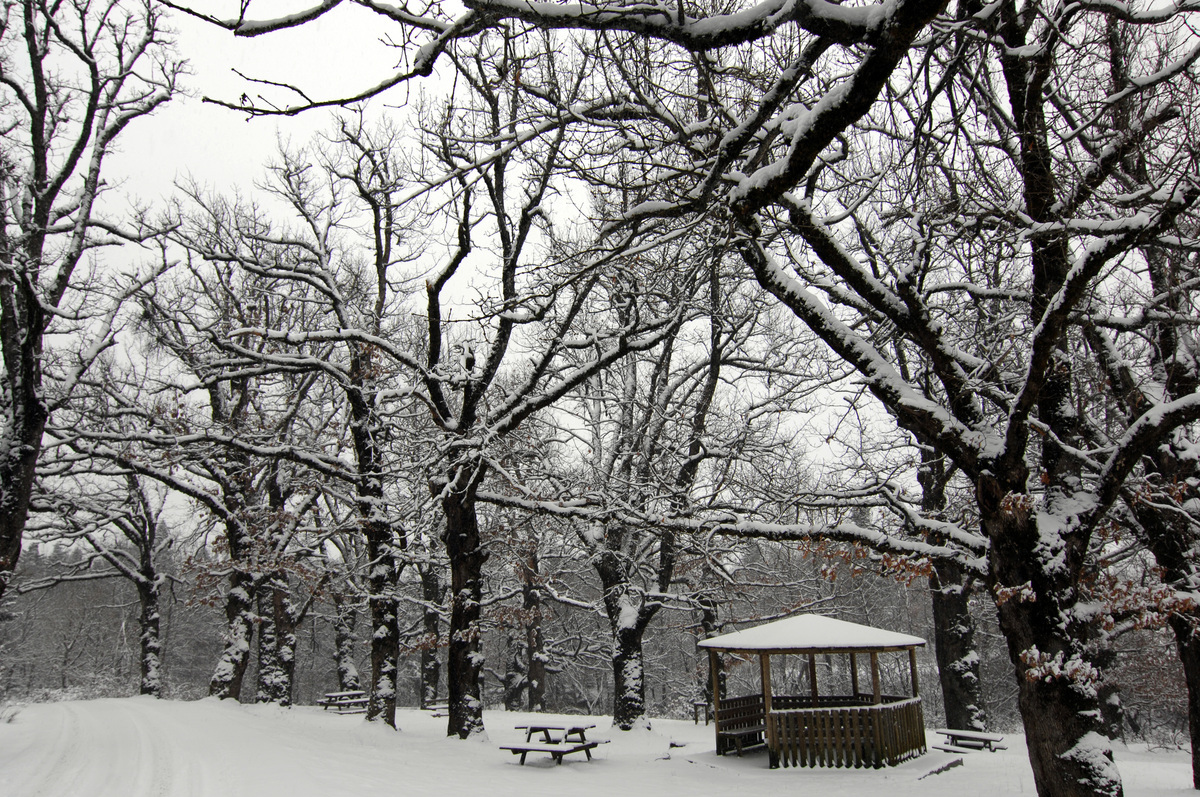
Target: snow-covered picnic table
x,y
556,740
351,702
959,741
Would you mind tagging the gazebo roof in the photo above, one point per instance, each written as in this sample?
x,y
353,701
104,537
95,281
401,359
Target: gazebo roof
x,y
808,633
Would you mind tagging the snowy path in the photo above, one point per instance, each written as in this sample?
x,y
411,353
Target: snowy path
x,y
145,748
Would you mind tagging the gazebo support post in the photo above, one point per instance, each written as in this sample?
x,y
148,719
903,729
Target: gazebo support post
x,y
764,661
912,669
854,675
877,697
812,677
714,665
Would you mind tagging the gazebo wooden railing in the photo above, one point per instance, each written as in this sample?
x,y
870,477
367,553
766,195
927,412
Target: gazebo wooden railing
x,y
841,734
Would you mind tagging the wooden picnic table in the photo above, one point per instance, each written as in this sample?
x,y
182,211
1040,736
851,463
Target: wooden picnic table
x,y
351,702
556,740
960,741
553,734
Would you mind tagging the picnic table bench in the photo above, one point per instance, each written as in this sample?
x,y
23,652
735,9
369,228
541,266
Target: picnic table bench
x,y
748,736
556,740
352,702
741,723
969,741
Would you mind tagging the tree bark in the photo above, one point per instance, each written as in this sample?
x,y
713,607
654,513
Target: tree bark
x,y
954,646
535,643
1048,642
950,590
150,638
433,592
276,642
226,681
464,659
629,678
382,579
344,621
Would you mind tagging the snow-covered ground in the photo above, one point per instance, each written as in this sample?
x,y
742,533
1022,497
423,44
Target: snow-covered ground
x,y
140,747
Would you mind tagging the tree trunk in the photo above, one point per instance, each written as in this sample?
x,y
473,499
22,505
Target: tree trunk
x,y
344,620
433,592
382,578
150,638
464,659
629,678
1187,642
23,442
1048,642
226,681
276,643
515,676
953,626
954,645
535,643
629,614
269,675
709,625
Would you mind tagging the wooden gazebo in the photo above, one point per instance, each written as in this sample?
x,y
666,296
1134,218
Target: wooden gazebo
x,y
864,728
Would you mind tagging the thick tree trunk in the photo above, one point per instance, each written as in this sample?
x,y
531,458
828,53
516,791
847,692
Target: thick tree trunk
x,y
344,621
535,643
464,659
276,643
515,676
629,614
150,638
22,446
954,645
629,678
269,675
433,592
226,681
1068,749
1187,642
1048,642
382,578
953,626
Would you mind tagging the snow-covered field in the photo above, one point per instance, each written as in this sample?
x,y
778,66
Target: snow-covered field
x,y
140,747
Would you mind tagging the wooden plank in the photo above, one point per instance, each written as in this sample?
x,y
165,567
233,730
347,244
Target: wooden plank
x,y
844,740
860,727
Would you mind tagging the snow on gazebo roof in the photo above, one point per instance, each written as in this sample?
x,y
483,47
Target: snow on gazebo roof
x,y
813,632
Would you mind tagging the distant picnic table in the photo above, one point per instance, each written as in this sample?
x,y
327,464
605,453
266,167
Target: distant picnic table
x,y
351,702
959,741
556,740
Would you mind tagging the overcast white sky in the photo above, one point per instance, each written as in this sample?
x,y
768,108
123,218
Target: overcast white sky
x,y
335,55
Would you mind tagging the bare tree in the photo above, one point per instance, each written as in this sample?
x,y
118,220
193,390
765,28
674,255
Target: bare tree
x,y
73,76
117,517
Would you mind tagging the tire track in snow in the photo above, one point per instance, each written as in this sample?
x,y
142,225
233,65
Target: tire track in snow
x,y
104,748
